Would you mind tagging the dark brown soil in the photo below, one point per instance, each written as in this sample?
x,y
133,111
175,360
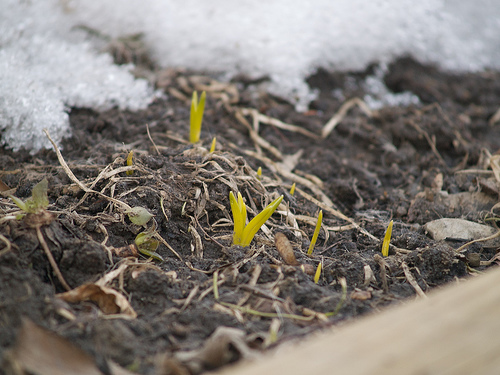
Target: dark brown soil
x,y
399,163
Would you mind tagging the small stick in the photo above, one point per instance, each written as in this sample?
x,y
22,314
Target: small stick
x,y
215,286
8,245
190,297
151,139
52,261
383,275
73,178
412,280
342,112
162,240
464,246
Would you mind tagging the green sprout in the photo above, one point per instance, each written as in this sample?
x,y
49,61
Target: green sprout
x,y
130,162
147,245
387,240
343,298
259,173
212,147
139,215
292,189
197,109
38,201
318,272
244,234
316,233
38,216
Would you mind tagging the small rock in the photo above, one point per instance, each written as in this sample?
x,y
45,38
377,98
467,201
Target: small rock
x,y
459,229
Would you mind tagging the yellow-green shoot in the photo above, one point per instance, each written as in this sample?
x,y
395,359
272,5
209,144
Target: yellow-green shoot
x,y
244,234
139,215
292,189
130,161
147,245
316,233
212,147
38,201
259,173
387,240
197,109
318,272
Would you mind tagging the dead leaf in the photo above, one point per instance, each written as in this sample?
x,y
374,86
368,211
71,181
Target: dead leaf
x,y
224,346
109,300
39,351
170,366
4,186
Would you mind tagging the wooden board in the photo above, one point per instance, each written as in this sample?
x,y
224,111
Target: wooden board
x,y
455,331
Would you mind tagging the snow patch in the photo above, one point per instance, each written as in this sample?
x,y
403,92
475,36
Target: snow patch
x,y
46,66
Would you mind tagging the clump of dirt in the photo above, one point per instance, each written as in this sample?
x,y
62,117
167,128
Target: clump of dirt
x,y
409,164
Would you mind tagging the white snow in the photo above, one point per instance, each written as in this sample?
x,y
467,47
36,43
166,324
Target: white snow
x,y
46,66
43,72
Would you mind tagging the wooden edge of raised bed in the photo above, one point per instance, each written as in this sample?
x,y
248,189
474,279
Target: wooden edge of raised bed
x,y
455,331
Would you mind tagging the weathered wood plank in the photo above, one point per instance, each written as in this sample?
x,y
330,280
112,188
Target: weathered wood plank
x,y
455,331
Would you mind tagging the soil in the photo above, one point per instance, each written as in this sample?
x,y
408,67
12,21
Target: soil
x,y
406,164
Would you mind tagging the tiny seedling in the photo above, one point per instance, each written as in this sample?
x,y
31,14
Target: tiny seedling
x,y
259,173
212,147
130,162
244,234
147,245
139,215
38,216
316,233
318,272
38,201
197,109
343,298
292,189
387,240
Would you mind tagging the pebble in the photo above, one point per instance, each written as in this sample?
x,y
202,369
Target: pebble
x,y
460,229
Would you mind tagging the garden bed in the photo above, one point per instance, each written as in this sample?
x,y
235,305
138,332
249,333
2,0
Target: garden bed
x,y
361,167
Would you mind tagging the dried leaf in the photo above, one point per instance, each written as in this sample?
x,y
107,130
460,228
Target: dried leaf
x,y
4,186
224,346
109,300
39,351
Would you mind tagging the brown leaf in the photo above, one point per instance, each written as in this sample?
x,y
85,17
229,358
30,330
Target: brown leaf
x,y
39,351
4,186
167,365
225,345
109,300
